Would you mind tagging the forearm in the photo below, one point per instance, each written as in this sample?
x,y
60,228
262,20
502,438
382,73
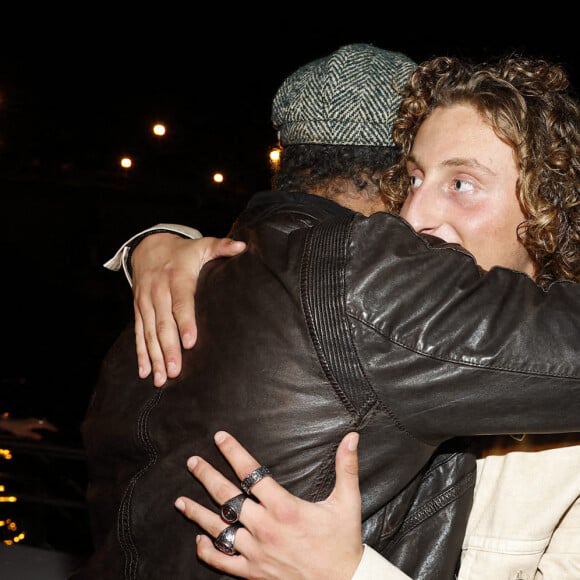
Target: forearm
x,y
508,348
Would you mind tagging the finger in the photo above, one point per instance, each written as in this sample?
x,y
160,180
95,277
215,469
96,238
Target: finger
x,y
218,486
146,326
183,311
347,477
153,305
153,349
223,247
31,435
46,425
236,454
183,290
143,361
174,315
203,517
346,492
237,566
267,490
213,525
221,489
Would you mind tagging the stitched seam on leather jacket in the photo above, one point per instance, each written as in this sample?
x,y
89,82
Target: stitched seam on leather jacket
x,y
323,296
322,290
456,361
435,505
125,537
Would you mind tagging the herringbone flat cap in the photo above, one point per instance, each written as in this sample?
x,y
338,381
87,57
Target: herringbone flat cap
x,y
350,97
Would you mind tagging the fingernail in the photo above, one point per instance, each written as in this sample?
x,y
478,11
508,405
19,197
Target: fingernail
x,y
192,462
171,368
180,504
219,437
353,442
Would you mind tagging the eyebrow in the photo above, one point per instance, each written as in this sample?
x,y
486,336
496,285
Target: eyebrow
x,y
460,162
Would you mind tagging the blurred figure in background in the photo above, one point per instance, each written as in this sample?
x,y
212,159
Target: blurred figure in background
x,y
25,427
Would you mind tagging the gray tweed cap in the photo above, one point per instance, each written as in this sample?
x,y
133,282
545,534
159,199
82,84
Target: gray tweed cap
x,y
350,97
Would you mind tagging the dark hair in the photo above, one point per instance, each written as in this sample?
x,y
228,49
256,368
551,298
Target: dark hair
x,y
528,104
315,168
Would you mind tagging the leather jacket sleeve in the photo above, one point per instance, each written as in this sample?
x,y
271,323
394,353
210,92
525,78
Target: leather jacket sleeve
x,y
506,351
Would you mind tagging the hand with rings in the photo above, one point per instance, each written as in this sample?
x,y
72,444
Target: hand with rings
x,y
279,535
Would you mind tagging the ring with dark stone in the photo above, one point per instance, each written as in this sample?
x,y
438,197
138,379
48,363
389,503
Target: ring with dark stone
x,y
231,510
225,541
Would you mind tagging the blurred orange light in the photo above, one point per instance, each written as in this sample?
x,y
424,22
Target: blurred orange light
x,y
159,129
275,155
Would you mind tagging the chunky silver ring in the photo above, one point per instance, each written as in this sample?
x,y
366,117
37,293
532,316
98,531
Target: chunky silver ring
x,y
232,508
225,541
253,478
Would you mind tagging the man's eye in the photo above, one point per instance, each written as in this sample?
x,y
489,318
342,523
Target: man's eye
x,y
462,185
415,181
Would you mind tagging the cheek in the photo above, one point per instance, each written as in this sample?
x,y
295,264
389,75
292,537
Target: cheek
x,y
494,242
473,233
405,208
480,231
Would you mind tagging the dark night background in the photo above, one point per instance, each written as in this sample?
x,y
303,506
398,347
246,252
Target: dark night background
x,y
78,94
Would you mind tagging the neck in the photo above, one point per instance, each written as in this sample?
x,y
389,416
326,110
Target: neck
x,y
365,201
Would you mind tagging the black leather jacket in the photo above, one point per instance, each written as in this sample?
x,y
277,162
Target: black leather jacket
x,y
332,322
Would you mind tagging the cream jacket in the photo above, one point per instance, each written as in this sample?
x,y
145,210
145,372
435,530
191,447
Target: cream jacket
x,y
525,521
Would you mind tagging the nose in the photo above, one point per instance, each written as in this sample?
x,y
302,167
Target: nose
x,y
418,210
428,213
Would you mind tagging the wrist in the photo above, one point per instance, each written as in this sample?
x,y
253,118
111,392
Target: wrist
x,y
135,242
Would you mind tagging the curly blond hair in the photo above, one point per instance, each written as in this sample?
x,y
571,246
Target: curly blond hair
x,y
529,105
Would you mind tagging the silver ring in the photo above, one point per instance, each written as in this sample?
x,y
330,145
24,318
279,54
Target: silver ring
x,y
253,478
232,508
225,541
